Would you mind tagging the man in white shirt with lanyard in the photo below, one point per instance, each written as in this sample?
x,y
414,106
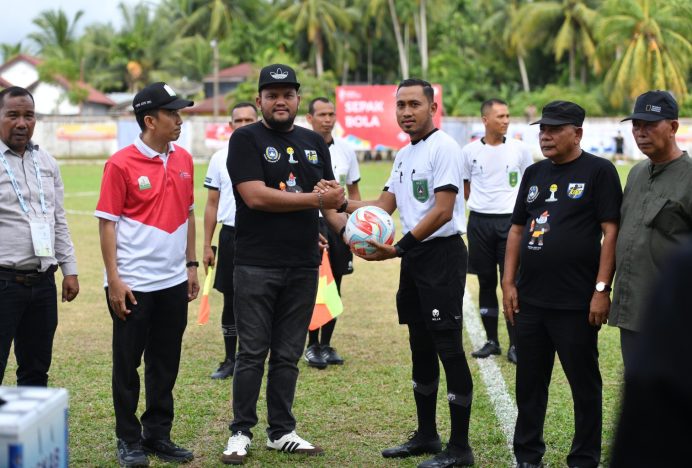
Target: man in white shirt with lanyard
x,y
221,208
424,185
493,167
322,117
36,241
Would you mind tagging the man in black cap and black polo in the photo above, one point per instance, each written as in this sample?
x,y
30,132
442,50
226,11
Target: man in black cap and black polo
x,y
562,245
656,215
147,231
274,166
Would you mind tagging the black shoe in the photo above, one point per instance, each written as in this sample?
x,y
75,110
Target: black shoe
x,y
225,369
512,354
450,457
130,454
166,450
416,445
330,355
490,347
314,358
530,465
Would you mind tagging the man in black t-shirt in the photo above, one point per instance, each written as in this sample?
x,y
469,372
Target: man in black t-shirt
x,y
566,205
274,166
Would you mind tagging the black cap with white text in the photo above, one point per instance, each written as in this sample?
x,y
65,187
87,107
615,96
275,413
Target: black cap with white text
x,y
653,106
158,96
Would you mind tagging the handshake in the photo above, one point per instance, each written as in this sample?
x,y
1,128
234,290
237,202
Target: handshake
x,y
331,195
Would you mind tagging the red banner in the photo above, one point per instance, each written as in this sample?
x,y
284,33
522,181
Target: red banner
x,y
367,116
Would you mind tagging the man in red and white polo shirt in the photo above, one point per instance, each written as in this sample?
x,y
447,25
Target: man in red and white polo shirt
x,y
147,231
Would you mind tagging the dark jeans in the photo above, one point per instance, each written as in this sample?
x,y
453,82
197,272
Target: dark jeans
x,y
540,333
29,316
154,328
273,307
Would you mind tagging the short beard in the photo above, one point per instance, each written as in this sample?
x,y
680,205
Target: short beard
x,y
280,126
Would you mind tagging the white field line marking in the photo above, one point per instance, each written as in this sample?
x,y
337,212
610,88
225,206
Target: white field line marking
x,y
495,386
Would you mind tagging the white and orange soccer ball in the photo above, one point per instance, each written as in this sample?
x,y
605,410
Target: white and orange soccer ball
x,y
369,222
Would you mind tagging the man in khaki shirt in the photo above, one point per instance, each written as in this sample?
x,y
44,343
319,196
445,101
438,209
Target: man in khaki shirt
x,y
36,241
656,213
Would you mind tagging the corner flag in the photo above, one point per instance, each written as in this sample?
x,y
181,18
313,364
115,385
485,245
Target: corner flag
x,y
328,304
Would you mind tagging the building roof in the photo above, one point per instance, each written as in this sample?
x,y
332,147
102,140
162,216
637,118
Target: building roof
x,y
207,106
94,96
239,72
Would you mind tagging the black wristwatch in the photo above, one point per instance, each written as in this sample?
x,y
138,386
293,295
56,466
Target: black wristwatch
x,y
343,207
192,264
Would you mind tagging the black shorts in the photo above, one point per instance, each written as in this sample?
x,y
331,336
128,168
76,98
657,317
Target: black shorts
x,y
487,236
340,256
223,281
431,284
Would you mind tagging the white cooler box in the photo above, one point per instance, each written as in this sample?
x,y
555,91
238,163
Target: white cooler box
x,y
33,427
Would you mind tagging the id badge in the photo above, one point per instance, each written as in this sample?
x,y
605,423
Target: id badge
x,y
40,236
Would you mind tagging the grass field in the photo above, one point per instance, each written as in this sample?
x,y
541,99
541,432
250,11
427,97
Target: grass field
x,y
353,411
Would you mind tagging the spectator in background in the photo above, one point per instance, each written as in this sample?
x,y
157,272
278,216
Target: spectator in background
x,y
220,208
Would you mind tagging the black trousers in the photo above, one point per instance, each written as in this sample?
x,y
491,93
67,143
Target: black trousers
x,y
29,317
540,333
154,328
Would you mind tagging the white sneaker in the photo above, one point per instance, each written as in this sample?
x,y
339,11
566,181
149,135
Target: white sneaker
x,y
292,443
236,449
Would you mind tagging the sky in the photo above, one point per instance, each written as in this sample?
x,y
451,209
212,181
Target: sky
x,y
16,25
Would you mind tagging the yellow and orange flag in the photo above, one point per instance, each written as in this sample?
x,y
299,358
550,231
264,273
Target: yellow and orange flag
x,y
328,304
204,307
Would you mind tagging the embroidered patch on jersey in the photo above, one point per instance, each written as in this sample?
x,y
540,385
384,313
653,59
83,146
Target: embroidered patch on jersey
x,y
144,183
533,194
553,189
436,315
537,230
290,151
291,184
271,155
420,190
184,175
311,155
575,190
513,178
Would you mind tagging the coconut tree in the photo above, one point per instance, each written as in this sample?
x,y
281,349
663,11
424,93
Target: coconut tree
x,y
648,45
566,25
319,21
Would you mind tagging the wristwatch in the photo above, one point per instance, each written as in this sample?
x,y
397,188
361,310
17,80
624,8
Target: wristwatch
x,y
602,286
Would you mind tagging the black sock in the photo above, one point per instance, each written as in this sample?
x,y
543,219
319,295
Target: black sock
x,y
490,325
230,343
327,331
426,409
313,337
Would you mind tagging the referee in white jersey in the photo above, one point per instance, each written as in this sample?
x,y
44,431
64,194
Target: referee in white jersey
x,y
423,185
493,166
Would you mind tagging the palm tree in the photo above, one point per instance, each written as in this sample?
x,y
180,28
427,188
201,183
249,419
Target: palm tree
x,y
648,43
566,24
319,21
375,9
7,51
509,39
57,33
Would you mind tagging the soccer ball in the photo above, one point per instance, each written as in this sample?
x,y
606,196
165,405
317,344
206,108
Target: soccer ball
x,y
369,222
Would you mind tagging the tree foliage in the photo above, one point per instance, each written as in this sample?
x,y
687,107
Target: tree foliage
x,y
610,50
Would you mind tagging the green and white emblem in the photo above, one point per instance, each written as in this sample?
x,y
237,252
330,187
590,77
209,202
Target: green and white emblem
x,y
513,178
420,190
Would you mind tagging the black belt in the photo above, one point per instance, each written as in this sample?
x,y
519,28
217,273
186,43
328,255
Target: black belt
x,y
226,227
26,277
490,215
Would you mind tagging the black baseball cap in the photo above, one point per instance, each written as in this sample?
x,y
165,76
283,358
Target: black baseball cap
x,y
277,73
562,113
653,106
158,96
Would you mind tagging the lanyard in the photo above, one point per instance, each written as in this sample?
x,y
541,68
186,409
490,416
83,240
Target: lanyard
x,y
15,185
